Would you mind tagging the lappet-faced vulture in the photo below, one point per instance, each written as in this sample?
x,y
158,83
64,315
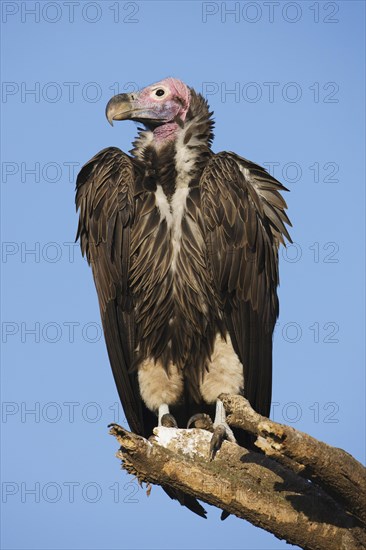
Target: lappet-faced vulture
x,y
183,244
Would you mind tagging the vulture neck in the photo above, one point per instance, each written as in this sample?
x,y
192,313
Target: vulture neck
x,y
165,134
174,156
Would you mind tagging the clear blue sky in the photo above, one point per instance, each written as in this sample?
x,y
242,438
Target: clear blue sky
x,y
295,73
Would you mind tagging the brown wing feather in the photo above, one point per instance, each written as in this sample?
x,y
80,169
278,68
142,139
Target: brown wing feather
x,y
104,196
244,216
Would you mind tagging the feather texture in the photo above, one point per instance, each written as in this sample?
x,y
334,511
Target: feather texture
x,y
183,245
244,260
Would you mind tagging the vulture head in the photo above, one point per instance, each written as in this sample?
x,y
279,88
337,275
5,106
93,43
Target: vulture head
x,y
166,102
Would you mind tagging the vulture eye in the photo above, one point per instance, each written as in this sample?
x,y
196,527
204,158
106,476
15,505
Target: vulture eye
x,y
159,92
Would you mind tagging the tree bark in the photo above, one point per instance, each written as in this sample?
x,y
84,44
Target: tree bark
x,y
323,510
334,469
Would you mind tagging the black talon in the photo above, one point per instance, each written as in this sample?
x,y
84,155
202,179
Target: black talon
x,y
168,421
202,421
224,514
217,439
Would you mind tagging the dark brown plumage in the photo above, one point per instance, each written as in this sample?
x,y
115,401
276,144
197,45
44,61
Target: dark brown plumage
x,y
183,245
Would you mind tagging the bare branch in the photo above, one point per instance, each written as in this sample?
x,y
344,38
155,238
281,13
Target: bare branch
x,y
334,469
245,483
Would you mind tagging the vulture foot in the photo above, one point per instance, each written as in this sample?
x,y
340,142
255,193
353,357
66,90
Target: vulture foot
x,y
222,430
202,421
165,418
168,421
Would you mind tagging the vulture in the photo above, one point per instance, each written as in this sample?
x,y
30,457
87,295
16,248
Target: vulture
x,y
183,244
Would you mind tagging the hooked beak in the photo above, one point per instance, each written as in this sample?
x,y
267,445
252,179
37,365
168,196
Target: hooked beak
x,y
127,107
120,107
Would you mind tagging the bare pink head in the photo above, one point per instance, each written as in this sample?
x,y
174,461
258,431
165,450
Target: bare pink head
x,y
162,107
166,100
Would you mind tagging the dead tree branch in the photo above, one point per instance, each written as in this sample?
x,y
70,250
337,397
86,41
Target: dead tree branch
x,y
272,495
334,469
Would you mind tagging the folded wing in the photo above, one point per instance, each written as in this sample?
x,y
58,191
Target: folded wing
x,y
104,195
245,221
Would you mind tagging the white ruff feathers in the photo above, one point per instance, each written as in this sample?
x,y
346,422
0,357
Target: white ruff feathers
x,y
173,211
185,157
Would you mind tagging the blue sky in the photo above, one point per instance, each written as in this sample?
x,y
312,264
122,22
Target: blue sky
x,y
286,82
